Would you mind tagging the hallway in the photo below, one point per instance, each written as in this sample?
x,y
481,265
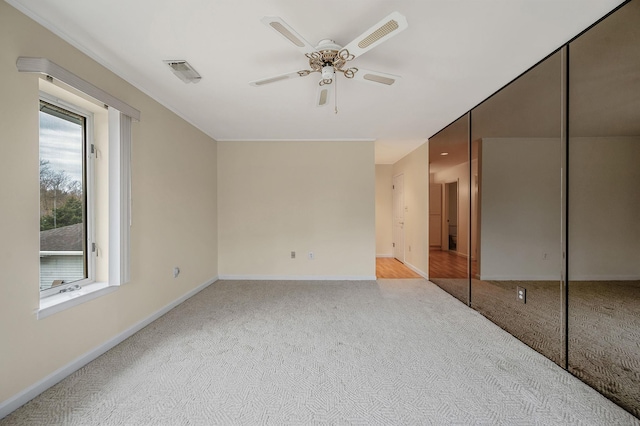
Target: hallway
x,y
389,267
448,264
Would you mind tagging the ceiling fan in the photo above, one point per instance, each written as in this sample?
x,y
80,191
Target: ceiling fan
x,y
329,58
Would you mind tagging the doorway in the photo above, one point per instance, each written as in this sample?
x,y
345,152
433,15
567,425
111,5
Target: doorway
x,y
398,217
451,215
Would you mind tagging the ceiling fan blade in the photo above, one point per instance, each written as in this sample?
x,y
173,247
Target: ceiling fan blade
x,y
287,76
324,95
376,77
380,32
289,33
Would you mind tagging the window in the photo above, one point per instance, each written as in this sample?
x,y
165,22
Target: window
x,y
85,187
66,194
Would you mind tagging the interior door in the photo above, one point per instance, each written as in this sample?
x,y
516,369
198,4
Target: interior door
x,y
398,217
435,216
452,215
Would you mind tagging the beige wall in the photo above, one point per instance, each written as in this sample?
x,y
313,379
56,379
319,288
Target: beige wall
x,y
521,191
278,197
174,214
415,168
384,210
604,208
520,204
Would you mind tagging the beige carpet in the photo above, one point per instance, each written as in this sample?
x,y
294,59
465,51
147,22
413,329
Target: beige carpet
x,y
604,327
369,353
604,338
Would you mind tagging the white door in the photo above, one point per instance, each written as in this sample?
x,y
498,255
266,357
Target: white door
x,y
398,217
435,216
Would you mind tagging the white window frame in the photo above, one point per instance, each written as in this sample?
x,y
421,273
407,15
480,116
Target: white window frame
x,y
89,187
120,118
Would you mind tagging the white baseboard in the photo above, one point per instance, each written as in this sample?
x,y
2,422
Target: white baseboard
x,y
417,271
16,401
604,277
298,277
520,278
457,253
384,255
557,278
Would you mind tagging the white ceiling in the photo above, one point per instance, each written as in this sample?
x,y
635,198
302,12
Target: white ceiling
x,y
453,55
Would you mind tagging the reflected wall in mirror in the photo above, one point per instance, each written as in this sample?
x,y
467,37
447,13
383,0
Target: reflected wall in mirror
x,y
516,203
604,207
449,209
570,248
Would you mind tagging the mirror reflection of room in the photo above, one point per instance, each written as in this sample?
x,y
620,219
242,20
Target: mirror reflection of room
x,y
604,207
449,209
516,138
545,241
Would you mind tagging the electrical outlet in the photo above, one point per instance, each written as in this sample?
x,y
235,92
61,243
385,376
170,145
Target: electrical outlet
x,y
293,254
521,294
176,272
310,255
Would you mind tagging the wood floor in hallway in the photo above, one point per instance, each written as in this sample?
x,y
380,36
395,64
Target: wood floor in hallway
x,y
448,264
389,267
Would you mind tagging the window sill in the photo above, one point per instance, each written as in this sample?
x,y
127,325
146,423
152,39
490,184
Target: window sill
x,y
60,302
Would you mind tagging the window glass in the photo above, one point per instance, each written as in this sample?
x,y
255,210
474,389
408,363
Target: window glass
x,y
63,197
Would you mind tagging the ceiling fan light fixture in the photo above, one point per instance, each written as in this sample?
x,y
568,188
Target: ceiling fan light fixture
x,y
327,72
328,58
184,71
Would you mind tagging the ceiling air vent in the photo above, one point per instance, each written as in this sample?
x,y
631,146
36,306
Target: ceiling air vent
x,y
184,71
